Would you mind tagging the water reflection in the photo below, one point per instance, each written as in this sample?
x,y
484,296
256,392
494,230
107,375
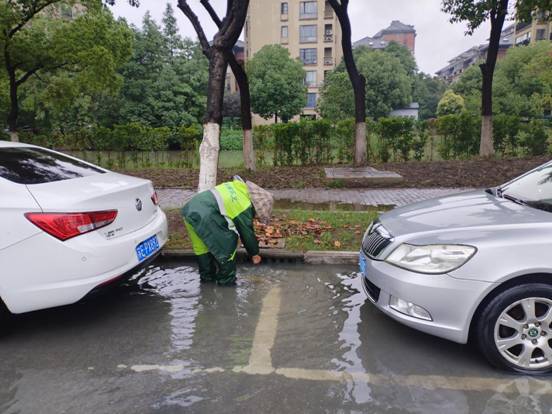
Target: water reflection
x,y
359,391
168,318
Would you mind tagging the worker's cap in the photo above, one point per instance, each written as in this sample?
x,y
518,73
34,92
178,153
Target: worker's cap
x,y
262,200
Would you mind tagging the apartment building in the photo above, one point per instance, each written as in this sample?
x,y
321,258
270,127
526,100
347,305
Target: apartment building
x,y
398,32
514,35
308,29
540,28
458,64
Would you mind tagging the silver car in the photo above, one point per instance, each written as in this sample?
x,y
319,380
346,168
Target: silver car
x,y
474,266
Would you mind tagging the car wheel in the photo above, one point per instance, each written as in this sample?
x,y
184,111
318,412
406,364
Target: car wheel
x,y
514,330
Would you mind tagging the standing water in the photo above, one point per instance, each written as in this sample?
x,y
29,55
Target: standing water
x,y
287,338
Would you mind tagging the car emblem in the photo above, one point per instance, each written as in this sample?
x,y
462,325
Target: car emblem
x,y
138,204
533,332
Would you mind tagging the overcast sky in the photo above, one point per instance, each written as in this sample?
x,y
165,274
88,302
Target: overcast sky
x,y
437,40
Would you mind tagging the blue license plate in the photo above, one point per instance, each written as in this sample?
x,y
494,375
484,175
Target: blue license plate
x,y
147,248
362,264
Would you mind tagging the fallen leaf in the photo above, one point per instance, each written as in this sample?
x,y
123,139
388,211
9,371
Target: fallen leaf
x,y
337,244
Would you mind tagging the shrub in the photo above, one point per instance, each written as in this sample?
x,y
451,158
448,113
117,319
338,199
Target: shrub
x,y
535,138
398,134
461,135
231,139
263,140
505,133
343,140
450,104
420,141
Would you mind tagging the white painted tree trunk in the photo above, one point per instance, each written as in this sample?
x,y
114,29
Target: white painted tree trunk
x,y
209,155
361,145
486,148
248,150
14,136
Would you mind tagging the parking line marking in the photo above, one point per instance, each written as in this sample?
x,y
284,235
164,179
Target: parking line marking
x,y
260,358
260,363
522,385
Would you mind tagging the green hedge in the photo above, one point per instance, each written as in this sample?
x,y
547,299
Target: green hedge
x,y
231,139
304,143
127,137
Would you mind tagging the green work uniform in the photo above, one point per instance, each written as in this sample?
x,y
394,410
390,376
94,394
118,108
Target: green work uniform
x,y
216,219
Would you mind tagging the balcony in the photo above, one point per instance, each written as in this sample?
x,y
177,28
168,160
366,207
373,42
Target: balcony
x,y
328,38
284,17
328,60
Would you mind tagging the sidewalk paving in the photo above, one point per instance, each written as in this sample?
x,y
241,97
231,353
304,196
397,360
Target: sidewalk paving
x,y
176,197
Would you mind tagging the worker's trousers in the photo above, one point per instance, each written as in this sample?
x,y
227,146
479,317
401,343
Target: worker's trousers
x,y
210,269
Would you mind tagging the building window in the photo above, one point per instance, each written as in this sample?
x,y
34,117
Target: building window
x,y
284,33
311,100
328,57
541,34
310,78
308,10
284,8
328,10
307,34
308,56
328,33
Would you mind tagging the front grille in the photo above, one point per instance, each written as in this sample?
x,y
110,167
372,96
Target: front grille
x,y
376,240
371,290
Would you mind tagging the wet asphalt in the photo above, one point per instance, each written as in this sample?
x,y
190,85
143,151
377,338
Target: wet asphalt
x,y
279,342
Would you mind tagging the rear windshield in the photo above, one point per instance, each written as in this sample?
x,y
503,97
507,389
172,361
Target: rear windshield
x,y
38,166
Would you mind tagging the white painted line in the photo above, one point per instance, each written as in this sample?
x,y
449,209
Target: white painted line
x,y
260,359
519,385
260,363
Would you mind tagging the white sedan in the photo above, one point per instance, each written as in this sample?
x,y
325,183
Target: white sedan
x,y
68,227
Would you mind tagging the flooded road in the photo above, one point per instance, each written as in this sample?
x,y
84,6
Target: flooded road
x,y
287,339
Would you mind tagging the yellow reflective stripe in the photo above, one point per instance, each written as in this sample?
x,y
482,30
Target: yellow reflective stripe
x,y
222,209
235,198
198,246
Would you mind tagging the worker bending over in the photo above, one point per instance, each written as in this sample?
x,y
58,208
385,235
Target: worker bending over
x,y
216,219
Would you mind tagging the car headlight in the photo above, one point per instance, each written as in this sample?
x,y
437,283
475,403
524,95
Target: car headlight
x,y
433,259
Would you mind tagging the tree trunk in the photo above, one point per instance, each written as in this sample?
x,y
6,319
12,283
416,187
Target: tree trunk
x,y
209,153
361,144
361,148
486,148
245,109
357,80
248,150
497,17
13,113
223,42
210,146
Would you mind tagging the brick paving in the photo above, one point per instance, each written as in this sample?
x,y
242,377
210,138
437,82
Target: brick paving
x,y
175,198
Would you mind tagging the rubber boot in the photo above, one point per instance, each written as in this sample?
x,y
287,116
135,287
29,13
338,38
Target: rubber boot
x,y
207,268
226,275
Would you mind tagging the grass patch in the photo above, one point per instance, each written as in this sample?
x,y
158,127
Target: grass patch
x,y
303,230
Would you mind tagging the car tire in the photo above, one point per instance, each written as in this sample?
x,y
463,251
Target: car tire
x,y
512,336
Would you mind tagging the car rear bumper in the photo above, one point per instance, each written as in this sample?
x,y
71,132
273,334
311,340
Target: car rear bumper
x,y
450,302
51,273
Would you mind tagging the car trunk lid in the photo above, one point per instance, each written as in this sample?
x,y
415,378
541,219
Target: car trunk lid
x,y
130,196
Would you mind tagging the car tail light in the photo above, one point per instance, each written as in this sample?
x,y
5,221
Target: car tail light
x,y
155,198
65,226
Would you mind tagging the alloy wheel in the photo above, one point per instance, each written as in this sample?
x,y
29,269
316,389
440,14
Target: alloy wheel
x,y
523,333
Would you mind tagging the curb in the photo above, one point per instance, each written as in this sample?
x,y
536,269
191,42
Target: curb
x,y
310,257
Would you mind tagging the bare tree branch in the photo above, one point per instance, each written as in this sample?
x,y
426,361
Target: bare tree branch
x,y
211,12
192,17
